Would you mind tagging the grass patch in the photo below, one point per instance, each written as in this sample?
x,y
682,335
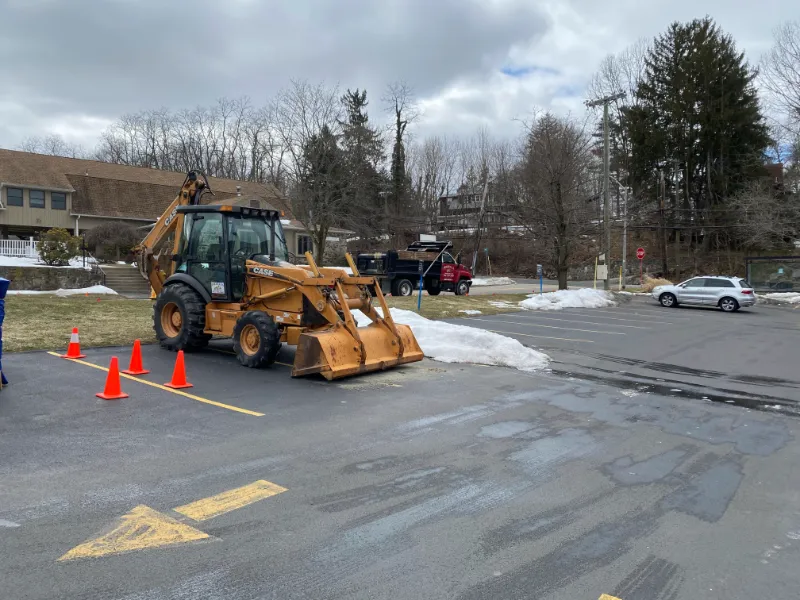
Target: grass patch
x,y
45,322
449,305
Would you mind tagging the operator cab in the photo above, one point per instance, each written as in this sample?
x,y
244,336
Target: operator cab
x,y
217,241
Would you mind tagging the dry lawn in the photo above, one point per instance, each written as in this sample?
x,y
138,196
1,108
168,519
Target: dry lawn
x,y
448,305
653,282
45,322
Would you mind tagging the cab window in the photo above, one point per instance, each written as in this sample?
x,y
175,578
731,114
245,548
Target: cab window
x,y
447,259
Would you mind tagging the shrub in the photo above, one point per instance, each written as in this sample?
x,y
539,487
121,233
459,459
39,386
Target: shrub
x,y
653,282
57,246
112,241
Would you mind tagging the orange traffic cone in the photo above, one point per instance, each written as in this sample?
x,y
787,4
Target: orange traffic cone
x,y
113,389
136,367
74,348
179,374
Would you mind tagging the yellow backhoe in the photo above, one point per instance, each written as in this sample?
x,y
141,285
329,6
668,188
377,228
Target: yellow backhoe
x,y
223,270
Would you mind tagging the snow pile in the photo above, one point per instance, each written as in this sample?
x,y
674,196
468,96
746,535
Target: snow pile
x,y
18,261
787,297
451,343
471,312
580,298
484,281
93,290
347,270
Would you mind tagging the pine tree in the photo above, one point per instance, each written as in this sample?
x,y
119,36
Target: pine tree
x,y
698,122
363,150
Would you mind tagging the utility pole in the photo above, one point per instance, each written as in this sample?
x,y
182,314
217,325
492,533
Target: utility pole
x,y
606,180
663,241
626,191
677,231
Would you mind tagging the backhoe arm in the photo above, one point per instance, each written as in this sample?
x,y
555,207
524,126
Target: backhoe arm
x,y
191,191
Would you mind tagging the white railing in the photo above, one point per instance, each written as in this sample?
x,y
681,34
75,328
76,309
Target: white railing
x,y
22,248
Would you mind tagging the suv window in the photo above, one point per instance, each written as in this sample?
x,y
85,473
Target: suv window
x,y
743,283
719,283
696,283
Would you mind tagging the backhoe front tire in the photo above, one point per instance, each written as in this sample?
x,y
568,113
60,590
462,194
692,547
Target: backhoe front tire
x,y
256,339
179,318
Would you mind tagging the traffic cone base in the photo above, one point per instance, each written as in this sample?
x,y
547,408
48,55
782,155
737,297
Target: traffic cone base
x,y
74,348
179,374
113,389
136,367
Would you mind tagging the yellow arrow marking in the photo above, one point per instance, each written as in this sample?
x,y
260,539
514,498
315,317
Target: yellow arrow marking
x,y
220,504
607,597
141,528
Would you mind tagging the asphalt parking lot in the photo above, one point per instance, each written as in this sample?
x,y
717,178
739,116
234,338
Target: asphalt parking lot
x,y
747,358
429,481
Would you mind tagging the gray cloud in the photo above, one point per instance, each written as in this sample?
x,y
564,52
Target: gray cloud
x,y
107,58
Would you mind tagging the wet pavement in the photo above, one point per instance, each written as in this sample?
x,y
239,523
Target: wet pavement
x,y
746,358
429,481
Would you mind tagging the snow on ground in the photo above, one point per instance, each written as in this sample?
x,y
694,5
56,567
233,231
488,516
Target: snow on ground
x,y
579,298
450,343
500,304
483,281
347,270
93,290
787,297
471,312
18,261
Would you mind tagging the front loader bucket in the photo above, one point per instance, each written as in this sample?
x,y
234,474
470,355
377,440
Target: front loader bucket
x,y
334,353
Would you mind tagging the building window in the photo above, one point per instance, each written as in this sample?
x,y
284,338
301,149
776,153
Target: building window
x,y
58,201
15,197
304,244
37,198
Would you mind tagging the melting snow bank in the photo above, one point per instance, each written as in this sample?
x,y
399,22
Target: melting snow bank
x,y
18,261
483,281
579,298
783,297
471,312
450,343
93,290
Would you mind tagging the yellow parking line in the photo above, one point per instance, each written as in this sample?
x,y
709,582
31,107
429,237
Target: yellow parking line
x,y
166,389
547,326
213,506
544,337
607,597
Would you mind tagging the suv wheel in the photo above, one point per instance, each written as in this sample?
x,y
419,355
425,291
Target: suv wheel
x,y
729,305
668,300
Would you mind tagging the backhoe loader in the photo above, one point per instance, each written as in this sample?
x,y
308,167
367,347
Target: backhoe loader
x,y
223,270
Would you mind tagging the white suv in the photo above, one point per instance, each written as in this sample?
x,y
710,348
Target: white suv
x,y
728,293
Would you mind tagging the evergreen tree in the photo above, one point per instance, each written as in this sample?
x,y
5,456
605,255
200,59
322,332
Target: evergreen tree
x,y
363,150
320,193
698,122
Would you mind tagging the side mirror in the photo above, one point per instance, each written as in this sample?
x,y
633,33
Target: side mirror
x,y
458,258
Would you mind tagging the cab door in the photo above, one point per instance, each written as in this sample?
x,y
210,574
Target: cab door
x,y
448,273
206,256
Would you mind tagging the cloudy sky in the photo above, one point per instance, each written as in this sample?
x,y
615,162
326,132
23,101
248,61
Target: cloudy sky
x,y
72,66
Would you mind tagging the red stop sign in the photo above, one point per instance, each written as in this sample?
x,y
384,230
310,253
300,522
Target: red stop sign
x,y
640,253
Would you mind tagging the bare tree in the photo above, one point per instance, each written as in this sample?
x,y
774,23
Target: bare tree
x,y
555,187
53,145
308,125
431,165
769,218
780,74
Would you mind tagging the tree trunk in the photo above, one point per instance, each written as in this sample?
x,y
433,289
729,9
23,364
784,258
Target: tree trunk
x,y
320,236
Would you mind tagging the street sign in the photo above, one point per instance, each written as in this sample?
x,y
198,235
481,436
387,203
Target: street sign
x,y
640,253
421,264
538,270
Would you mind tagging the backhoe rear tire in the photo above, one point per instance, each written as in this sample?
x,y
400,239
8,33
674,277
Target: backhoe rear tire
x,y
256,339
179,318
